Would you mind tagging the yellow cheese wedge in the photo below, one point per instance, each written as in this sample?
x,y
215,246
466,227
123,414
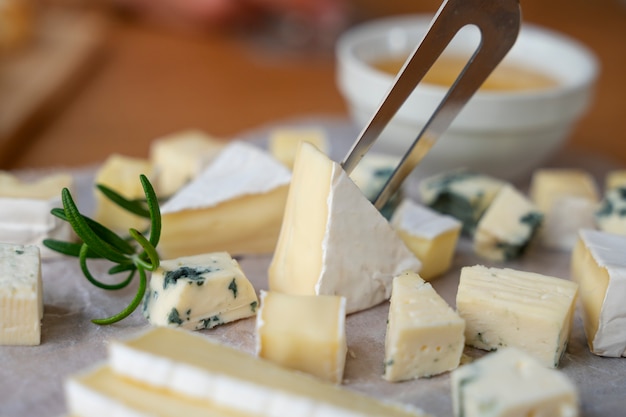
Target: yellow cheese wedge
x,y
333,241
506,307
43,188
615,179
193,366
121,173
424,335
303,332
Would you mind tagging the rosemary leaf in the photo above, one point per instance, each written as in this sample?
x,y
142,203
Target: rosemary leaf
x,y
133,206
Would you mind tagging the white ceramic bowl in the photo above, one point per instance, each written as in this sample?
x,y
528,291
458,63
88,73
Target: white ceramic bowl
x,y
506,134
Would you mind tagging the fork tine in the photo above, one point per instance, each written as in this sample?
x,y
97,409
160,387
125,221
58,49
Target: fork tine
x,y
499,23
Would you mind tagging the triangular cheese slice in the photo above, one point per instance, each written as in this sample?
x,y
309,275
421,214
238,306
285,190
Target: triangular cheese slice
x,y
333,241
235,205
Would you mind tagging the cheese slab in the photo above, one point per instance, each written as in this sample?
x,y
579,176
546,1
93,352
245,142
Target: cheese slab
x,y
507,307
568,199
431,236
333,241
462,194
199,292
167,358
611,214
179,157
599,268
21,295
25,207
235,205
507,227
303,332
284,142
100,392
424,336
510,383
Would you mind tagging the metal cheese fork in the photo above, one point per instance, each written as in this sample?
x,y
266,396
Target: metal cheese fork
x,y
499,22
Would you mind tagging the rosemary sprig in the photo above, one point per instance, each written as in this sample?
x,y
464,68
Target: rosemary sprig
x,y
133,254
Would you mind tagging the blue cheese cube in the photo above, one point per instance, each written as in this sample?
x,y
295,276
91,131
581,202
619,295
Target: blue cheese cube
x,y
611,215
511,383
462,194
21,299
199,292
507,227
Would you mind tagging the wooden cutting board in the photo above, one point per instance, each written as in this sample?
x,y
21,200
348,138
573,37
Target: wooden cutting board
x,y
36,80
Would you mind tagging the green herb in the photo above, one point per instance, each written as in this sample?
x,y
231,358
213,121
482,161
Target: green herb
x,y
133,254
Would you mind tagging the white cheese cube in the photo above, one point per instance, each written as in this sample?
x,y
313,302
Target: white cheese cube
x,y
179,157
507,227
303,332
235,205
568,199
505,307
100,392
21,295
510,383
333,241
285,141
431,236
121,173
25,207
199,292
611,214
599,268
462,194
167,359
424,335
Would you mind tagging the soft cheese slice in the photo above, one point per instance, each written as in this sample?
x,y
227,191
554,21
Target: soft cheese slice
x,y
333,240
304,332
121,173
25,207
199,292
100,392
285,141
568,200
599,267
424,335
511,383
506,307
179,157
235,205
167,358
430,235
21,299
507,226
611,214
462,194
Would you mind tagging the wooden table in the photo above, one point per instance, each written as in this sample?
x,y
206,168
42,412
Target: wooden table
x,y
153,80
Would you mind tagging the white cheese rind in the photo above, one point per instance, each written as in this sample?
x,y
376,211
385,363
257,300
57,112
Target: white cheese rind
x,y
507,227
21,295
424,335
599,267
303,332
199,292
235,205
511,383
431,236
192,365
333,241
506,307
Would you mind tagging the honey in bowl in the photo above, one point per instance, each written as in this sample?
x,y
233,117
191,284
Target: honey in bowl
x,y
505,77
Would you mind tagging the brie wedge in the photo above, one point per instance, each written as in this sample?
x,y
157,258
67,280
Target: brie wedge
x,y
333,241
235,205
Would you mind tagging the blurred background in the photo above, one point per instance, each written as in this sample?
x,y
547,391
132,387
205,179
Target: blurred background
x,y
82,79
